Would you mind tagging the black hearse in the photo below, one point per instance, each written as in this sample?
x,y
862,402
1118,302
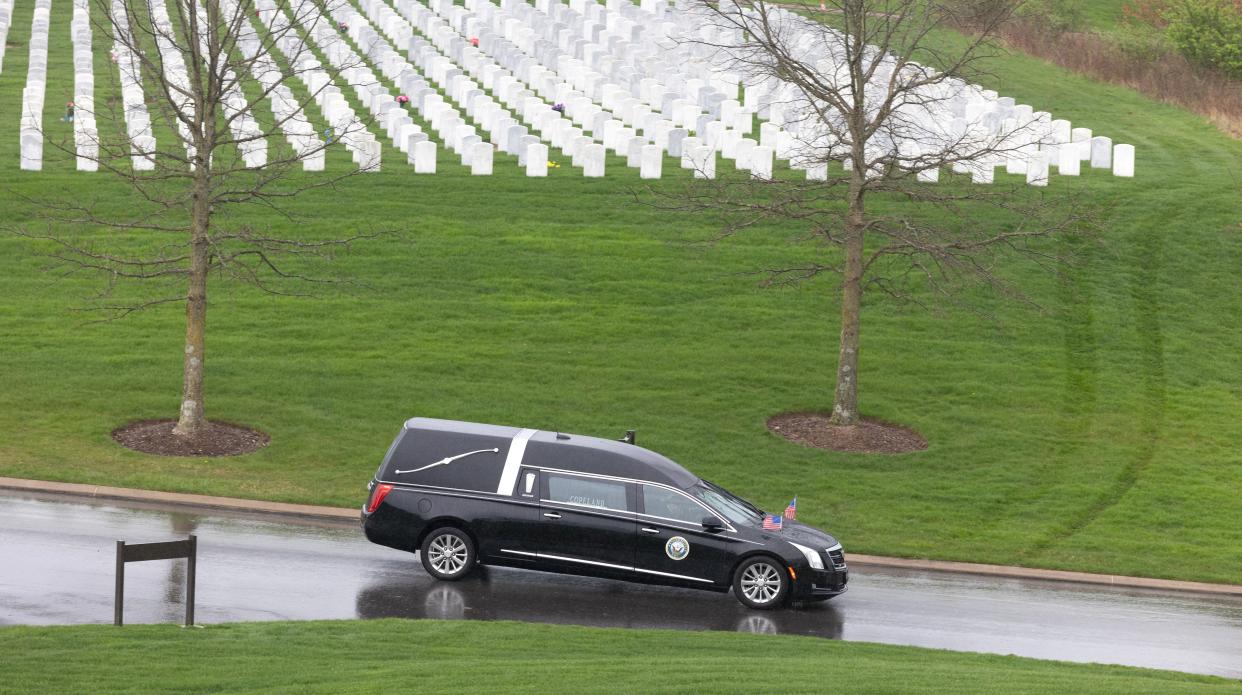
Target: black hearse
x,y
462,492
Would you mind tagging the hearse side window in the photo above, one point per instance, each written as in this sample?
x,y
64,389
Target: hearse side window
x,y
658,501
528,487
587,492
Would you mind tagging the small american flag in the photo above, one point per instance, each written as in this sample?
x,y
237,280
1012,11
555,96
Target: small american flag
x,y
791,512
772,522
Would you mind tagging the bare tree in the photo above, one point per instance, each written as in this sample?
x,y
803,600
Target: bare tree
x,y
229,88
852,83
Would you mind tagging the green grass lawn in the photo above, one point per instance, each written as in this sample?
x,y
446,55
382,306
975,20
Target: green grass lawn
x,y
1097,433
434,657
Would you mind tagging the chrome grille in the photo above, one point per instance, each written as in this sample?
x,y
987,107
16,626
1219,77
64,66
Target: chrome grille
x,y
836,557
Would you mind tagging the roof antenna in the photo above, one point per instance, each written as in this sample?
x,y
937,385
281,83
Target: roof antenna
x,y
629,437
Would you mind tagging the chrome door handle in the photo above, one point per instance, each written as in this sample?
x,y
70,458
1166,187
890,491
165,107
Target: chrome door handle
x,y
650,530
552,515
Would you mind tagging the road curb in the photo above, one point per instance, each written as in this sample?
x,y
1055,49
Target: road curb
x,y
179,498
337,514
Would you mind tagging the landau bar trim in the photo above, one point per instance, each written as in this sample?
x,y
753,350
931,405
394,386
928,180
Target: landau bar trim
x,y
513,462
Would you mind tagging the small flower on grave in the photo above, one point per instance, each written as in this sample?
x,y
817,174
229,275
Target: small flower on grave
x,y
474,41
559,108
403,99
344,26
553,165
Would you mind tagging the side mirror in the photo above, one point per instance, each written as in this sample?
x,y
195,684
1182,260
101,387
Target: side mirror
x,y
711,523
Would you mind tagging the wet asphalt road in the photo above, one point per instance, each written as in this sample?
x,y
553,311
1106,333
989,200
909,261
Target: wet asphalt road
x,y
57,559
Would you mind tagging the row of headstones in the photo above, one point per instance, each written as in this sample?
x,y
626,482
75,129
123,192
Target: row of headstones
x,y
637,151
511,136
138,128
531,114
464,95
82,112
575,51
391,116
286,109
551,86
954,108
615,133
6,20
176,74
647,103
344,124
238,111
31,128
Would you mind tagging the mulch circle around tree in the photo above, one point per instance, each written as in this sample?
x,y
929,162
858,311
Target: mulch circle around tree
x,y
870,436
220,439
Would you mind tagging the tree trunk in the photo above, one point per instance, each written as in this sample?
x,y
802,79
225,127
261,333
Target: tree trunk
x,y
845,403
193,421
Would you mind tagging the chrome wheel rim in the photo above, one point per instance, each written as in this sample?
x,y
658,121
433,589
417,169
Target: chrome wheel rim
x,y
447,554
761,582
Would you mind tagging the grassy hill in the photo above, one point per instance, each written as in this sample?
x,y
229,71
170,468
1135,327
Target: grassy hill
x,y
1098,433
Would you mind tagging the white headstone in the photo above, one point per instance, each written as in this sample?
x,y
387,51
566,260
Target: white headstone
x,y
634,152
537,159
481,158
761,162
1069,164
370,156
1123,160
1101,152
742,152
704,161
32,151
982,171
652,162
1037,169
466,148
676,138
424,157
593,160
1081,137
688,146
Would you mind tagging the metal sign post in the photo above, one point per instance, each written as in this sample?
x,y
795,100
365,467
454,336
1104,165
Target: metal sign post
x,y
141,552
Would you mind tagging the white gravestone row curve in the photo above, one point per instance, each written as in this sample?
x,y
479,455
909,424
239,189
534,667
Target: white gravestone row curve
x,y
581,77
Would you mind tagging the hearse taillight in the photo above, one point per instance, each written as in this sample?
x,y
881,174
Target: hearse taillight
x,y
378,493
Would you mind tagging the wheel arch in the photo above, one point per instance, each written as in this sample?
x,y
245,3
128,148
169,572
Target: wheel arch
x,y
447,521
781,562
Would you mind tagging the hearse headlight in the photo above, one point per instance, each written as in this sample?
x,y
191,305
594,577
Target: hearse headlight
x,y
811,556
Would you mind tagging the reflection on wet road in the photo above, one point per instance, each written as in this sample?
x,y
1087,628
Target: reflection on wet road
x,y
57,562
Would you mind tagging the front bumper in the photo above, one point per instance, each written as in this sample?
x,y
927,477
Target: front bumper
x,y
813,583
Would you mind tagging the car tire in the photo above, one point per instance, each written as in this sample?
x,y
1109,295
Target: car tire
x,y
761,583
447,553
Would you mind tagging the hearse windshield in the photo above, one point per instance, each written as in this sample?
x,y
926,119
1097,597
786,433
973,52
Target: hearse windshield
x,y
729,505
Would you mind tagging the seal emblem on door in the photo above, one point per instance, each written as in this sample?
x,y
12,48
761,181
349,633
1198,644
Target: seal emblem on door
x,y
677,548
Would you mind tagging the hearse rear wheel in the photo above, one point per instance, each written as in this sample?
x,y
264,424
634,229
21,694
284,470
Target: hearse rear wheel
x,y
760,583
448,553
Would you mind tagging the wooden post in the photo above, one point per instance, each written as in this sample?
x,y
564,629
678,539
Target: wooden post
x,y
119,602
191,561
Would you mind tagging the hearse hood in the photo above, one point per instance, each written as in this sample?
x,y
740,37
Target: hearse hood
x,y
805,535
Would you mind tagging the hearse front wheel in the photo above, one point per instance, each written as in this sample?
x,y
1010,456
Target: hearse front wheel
x,y
761,583
448,553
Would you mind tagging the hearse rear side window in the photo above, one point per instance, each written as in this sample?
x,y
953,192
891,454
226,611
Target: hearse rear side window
x,y
665,503
586,492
